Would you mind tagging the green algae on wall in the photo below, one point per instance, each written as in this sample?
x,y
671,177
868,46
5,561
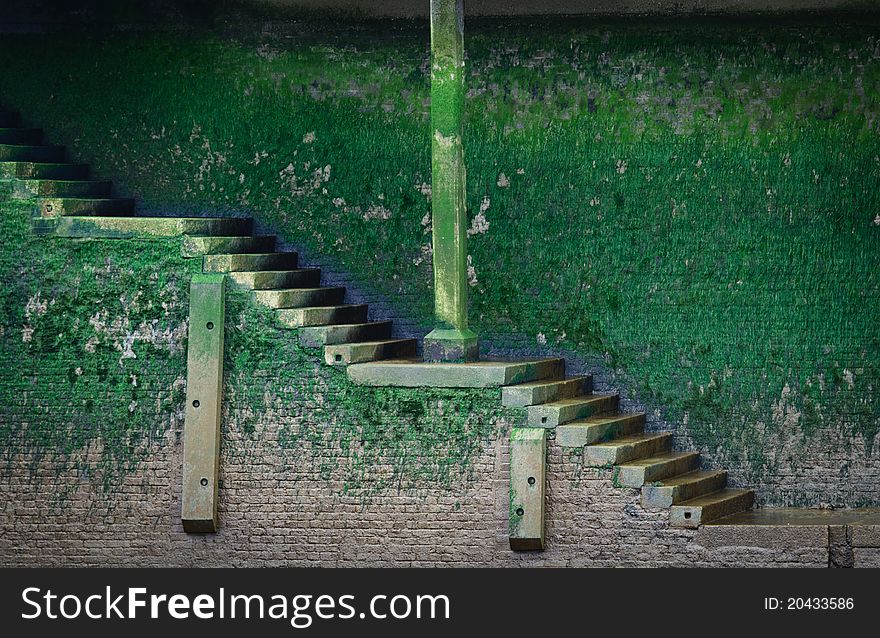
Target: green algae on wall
x,y
92,350
698,203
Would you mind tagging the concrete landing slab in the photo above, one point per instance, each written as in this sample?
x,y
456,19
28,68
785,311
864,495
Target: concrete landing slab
x,y
489,373
802,516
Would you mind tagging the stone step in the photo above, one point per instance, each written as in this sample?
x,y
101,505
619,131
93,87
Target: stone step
x,y
348,353
317,336
627,448
322,315
549,415
276,279
133,227
25,188
255,261
654,468
535,392
198,246
599,428
683,487
78,206
703,509
301,297
486,373
31,153
9,118
43,170
19,135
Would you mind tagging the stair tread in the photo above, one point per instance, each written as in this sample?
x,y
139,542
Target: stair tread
x,y
308,289
633,438
601,419
658,459
269,272
348,325
547,382
714,497
688,477
376,342
583,398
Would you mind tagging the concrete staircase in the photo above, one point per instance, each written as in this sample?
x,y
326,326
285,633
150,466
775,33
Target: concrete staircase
x,y
69,204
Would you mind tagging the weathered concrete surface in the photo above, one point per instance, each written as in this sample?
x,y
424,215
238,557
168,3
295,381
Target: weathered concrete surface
x,y
849,537
528,451
132,227
204,398
451,340
476,374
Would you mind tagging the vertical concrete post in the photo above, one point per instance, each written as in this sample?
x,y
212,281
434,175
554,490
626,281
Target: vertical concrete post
x,y
528,453
451,340
204,395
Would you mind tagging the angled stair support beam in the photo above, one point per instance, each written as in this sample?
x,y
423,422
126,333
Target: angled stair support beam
x,y
204,396
451,340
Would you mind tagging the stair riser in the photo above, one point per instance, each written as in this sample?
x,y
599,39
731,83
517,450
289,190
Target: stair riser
x,y
306,278
299,298
345,354
628,476
331,335
25,189
692,517
22,153
199,246
310,317
600,456
547,416
667,496
53,207
572,435
20,135
31,170
519,397
236,263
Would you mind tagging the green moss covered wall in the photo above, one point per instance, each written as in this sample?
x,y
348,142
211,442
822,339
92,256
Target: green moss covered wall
x,y
692,207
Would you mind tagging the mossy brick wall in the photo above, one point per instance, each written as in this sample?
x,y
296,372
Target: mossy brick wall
x,y
690,210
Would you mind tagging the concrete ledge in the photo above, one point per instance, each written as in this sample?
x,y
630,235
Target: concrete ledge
x,y
413,373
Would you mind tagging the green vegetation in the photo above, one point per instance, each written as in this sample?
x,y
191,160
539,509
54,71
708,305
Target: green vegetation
x,y
698,203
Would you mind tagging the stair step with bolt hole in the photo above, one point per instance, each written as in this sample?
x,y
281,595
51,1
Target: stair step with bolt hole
x,y
683,487
599,428
323,315
485,373
80,206
25,188
316,336
301,297
256,261
19,135
535,392
278,279
31,153
9,118
198,246
43,170
550,415
132,227
627,448
348,353
704,509
654,468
